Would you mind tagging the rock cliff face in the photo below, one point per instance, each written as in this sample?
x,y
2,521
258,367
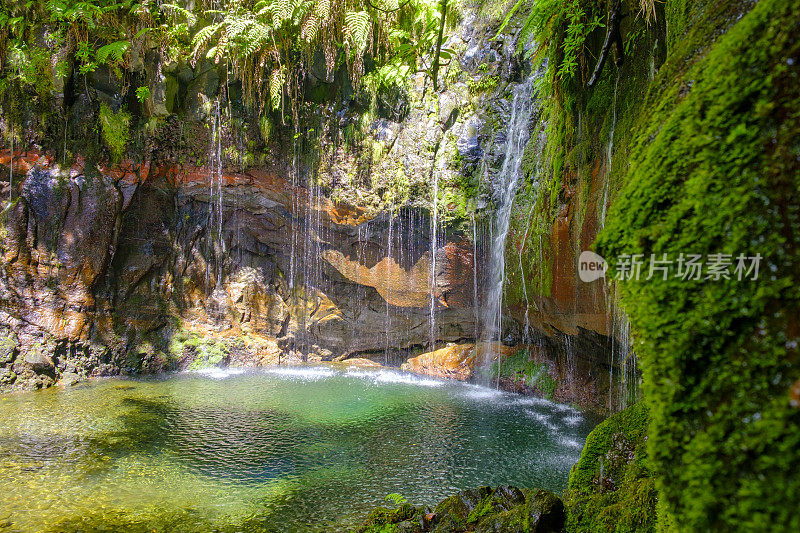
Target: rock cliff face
x,y
305,244
95,267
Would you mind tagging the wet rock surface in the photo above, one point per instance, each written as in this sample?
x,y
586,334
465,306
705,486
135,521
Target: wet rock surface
x,y
505,508
101,274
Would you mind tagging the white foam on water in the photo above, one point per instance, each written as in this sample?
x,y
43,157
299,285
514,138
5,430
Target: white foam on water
x,y
479,392
573,420
302,373
389,376
533,400
542,418
564,408
218,373
570,443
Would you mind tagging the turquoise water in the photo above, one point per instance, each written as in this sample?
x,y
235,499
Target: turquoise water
x,y
292,449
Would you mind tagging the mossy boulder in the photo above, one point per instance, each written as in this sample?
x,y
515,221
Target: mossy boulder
x,y
194,351
9,348
405,518
716,170
505,508
612,488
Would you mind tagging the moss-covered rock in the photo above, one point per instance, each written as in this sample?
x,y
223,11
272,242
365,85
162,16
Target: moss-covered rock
x,y
115,128
9,348
716,170
611,488
406,517
484,509
196,351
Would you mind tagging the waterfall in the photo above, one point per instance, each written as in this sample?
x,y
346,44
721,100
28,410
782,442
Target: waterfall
x,y
505,188
434,242
475,303
619,327
621,353
609,150
388,284
214,224
526,336
11,171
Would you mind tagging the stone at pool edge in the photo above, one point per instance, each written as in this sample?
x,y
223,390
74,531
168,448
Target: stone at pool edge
x,y
68,379
484,509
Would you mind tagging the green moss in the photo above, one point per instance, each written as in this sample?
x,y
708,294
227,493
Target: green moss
x,y
385,520
482,84
115,128
484,508
716,169
518,367
206,352
611,488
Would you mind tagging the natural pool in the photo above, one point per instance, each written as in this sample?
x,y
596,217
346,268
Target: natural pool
x,y
291,449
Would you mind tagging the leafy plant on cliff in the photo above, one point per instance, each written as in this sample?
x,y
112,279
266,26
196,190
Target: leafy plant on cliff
x,y
519,367
269,42
115,128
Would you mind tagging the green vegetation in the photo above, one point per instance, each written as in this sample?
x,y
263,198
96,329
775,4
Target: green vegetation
x,y
256,54
115,128
520,368
205,351
385,520
715,170
612,488
483,84
396,499
482,510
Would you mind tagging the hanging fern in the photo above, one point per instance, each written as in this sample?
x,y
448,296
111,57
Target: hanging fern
x,y
309,28
112,53
322,9
276,80
356,29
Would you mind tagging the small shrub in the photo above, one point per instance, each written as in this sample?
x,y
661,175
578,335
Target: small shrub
x,y
115,128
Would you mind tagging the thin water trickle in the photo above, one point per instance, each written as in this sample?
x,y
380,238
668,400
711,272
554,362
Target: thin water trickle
x,y
609,153
475,302
434,245
11,171
526,335
214,242
388,285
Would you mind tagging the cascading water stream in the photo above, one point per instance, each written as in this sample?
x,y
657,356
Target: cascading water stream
x,y
388,321
526,337
11,171
434,243
475,302
215,203
505,188
618,324
609,150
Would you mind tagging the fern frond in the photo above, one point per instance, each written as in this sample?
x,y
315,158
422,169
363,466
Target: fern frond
x,y
203,36
309,28
113,52
276,80
356,29
322,9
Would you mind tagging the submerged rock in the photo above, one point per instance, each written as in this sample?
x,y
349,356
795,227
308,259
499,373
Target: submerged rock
x,y
484,509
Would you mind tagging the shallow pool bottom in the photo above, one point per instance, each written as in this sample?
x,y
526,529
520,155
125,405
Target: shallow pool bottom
x,y
286,449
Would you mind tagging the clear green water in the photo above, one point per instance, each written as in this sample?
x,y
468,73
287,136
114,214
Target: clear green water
x,y
309,449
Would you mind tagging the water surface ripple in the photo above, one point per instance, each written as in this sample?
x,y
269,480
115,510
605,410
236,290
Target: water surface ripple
x,y
287,449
